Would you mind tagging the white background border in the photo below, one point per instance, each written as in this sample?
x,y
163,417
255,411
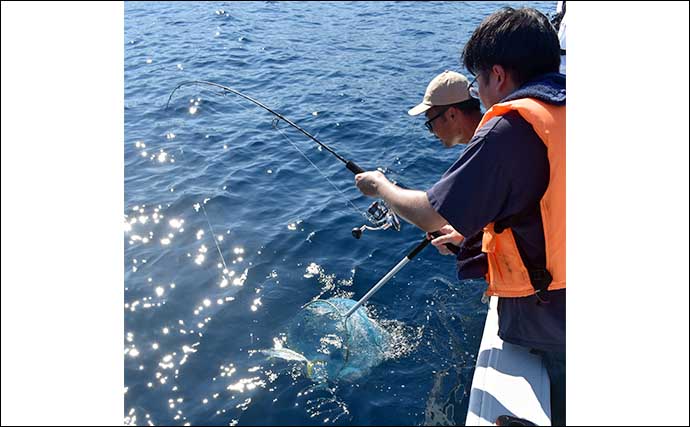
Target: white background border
x,y
62,213
62,210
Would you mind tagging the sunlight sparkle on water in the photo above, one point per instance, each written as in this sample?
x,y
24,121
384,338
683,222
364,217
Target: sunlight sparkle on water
x,y
239,281
312,270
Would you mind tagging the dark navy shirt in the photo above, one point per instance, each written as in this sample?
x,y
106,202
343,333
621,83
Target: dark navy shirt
x,y
471,261
503,172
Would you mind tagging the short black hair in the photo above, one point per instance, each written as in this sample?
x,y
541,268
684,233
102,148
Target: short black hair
x,y
522,41
468,105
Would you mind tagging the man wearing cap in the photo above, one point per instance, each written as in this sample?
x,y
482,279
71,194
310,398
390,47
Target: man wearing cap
x,y
452,116
510,183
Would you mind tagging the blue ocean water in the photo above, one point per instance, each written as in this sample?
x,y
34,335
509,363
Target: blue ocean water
x,y
229,230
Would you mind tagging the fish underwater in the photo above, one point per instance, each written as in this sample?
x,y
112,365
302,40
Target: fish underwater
x,y
331,347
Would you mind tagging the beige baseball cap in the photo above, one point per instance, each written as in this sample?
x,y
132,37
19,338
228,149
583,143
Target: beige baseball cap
x,y
447,88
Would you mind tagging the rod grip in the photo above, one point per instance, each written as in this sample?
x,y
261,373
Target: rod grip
x,y
353,167
450,246
423,244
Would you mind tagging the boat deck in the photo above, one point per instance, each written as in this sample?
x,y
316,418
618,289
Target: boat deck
x,y
508,380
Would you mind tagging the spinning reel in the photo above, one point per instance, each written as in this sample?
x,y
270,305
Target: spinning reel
x,y
382,218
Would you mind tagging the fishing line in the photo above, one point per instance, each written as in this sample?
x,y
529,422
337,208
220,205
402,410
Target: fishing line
x,y
353,167
213,234
349,201
274,124
378,214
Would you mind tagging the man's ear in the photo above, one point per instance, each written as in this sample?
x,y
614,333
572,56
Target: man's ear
x,y
500,74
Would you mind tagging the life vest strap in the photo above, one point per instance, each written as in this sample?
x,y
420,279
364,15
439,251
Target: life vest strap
x,y
539,276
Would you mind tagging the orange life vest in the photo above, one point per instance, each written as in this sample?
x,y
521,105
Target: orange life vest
x,y
508,276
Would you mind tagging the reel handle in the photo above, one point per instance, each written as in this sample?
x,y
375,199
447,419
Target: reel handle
x,y
451,247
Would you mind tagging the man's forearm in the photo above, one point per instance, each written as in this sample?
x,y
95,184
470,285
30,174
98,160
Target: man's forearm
x,y
413,206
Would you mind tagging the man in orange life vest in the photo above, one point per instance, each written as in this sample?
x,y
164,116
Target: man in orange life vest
x,y
510,183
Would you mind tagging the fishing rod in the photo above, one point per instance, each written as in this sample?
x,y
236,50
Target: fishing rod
x,y
378,213
352,166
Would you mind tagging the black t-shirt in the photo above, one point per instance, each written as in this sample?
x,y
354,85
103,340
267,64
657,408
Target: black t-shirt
x,y
503,172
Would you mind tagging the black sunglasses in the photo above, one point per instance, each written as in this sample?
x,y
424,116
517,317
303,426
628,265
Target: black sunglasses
x,y
428,124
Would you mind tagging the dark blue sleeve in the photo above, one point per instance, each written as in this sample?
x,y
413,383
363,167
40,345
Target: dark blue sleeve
x,y
503,171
